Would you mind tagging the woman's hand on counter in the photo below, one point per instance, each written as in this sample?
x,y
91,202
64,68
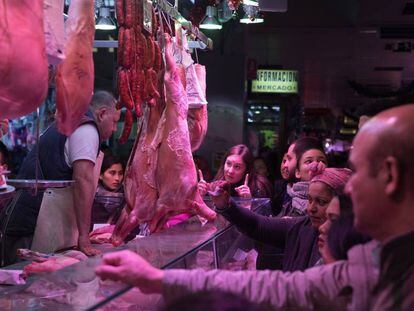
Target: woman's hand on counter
x,y
202,184
130,268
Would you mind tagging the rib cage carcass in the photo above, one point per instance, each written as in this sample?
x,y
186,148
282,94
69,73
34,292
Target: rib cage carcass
x,y
161,179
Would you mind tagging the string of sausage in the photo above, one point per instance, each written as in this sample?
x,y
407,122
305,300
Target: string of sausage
x,y
139,61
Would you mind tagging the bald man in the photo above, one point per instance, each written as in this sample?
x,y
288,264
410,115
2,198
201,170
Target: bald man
x,y
382,191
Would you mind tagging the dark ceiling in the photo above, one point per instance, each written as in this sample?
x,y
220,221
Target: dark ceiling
x,y
345,13
328,13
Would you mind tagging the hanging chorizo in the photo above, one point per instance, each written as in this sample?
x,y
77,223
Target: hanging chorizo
x,y
128,123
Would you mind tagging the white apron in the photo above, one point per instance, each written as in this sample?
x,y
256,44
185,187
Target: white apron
x,y
56,226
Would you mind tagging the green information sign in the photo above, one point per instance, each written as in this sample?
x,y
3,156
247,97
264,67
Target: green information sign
x,y
275,81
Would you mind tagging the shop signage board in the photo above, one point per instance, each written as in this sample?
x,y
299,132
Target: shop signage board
x,y
275,81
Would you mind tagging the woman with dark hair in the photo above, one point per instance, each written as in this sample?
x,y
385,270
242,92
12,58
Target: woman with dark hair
x,y
310,160
109,193
237,168
337,235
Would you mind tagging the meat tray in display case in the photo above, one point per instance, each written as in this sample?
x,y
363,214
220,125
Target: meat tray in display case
x,y
188,245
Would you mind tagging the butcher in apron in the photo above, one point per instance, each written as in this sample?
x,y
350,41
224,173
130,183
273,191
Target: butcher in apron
x,y
63,157
56,228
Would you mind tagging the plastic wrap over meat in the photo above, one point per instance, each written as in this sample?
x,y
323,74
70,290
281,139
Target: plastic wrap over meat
x,y
197,116
75,75
54,30
23,62
195,80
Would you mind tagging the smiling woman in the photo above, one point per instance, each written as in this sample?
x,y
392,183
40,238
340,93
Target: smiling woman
x,y
237,169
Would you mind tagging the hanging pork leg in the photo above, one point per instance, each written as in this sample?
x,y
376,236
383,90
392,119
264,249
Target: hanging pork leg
x,y
23,63
75,75
176,173
140,188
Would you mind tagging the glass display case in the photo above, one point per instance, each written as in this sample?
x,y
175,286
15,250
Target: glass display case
x,y
190,244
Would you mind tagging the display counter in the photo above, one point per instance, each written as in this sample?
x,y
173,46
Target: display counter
x,y
187,245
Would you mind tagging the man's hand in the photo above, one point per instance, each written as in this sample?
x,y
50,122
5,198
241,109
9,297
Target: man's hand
x,y
244,191
86,247
130,268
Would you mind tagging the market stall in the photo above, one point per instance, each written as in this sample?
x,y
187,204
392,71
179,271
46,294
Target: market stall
x,y
152,54
76,287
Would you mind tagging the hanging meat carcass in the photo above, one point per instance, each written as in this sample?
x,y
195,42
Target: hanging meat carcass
x,y
23,63
176,172
75,75
140,186
160,179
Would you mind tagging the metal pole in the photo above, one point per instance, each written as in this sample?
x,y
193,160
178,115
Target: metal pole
x,y
216,262
37,166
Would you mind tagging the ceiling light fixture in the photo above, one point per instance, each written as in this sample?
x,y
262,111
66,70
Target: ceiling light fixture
x,y
224,12
252,19
251,2
210,21
252,15
104,21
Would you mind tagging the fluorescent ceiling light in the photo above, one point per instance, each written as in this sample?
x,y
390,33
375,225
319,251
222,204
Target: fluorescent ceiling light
x,y
104,21
251,2
247,20
210,21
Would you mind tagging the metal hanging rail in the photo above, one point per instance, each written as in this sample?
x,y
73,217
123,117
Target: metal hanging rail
x,y
171,11
167,8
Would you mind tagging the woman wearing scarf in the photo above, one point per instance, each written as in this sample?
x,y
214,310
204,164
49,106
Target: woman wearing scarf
x,y
298,236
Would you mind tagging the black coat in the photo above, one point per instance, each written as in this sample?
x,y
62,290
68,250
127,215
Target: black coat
x,y
295,235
